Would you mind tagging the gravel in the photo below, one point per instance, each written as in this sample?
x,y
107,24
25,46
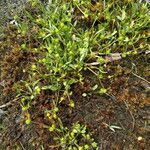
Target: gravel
x,y
9,8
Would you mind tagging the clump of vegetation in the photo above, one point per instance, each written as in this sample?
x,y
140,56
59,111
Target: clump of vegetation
x,y
56,45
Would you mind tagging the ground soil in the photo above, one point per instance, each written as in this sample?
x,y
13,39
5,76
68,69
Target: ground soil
x,y
125,105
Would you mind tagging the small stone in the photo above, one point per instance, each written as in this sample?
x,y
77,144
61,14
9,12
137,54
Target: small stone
x,y
2,113
140,138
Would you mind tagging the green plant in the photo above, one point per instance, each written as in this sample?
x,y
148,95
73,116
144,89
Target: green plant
x,y
71,138
68,40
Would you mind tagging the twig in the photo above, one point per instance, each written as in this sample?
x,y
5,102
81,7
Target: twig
x,y
9,103
130,114
93,64
141,78
111,96
22,145
112,57
92,71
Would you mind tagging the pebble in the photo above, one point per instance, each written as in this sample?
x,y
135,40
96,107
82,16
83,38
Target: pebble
x,y
2,112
